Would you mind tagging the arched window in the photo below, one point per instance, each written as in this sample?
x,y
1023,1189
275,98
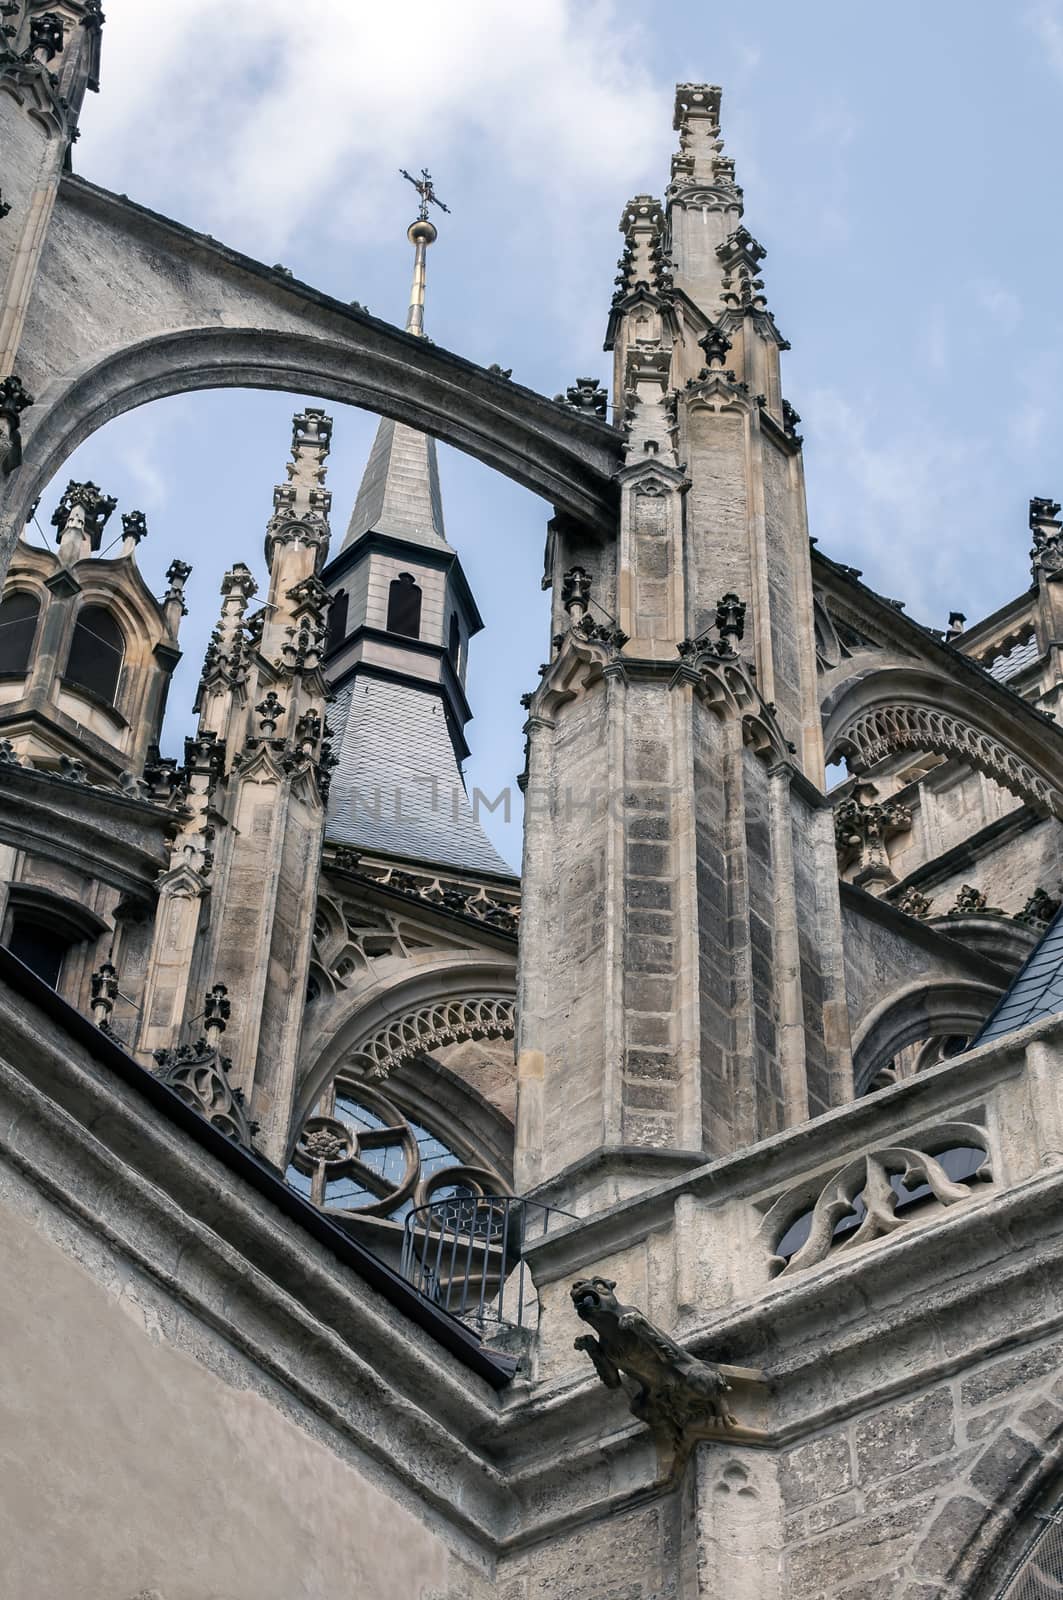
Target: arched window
x,y
357,1152
404,606
96,652
337,622
40,947
454,641
18,625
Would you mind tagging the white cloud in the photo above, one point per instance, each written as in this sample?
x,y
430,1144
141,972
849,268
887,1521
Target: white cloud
x,y
886,498
1045,22
263,118
1000,303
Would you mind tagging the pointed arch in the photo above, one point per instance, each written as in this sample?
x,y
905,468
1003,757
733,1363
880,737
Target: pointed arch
x,y
877,712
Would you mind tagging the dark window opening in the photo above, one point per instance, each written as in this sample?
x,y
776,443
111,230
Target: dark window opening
x,y
96,653
961,1164
40,947
454,642
404,607
337,622
18,626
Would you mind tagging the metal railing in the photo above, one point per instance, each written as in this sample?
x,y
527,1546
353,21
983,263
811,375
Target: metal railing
x,y
466,1253
1039,1573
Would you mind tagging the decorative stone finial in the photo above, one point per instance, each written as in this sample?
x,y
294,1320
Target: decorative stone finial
x,y
740,256
1046,556
134,528
104,982
667,1388
586,395
862,828
13,401
81,516
46,36
301,506
576,592
217,1010
716,346
730,618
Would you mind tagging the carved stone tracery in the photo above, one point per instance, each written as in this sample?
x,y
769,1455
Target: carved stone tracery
x,y
868,1191
883,730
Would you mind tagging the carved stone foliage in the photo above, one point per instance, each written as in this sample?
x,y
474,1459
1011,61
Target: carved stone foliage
x,y
884,730
1039,909
499,908
200,1077
586,395
970,902
431,1027
875,1194
85,505
357,1151
13,402
667,1388
1046,556
862,828
914,903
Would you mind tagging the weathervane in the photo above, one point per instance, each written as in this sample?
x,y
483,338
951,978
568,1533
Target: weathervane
x,y
424,188
421,234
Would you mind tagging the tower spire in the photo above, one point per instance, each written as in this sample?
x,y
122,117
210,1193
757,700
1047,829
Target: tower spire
x,y
421,233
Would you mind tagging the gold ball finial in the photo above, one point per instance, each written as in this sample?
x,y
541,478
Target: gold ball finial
x,y
422,232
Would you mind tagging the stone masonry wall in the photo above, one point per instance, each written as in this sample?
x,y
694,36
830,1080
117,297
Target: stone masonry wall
x,y
884,1504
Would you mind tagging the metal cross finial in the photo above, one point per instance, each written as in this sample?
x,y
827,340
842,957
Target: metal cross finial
x,y
424,188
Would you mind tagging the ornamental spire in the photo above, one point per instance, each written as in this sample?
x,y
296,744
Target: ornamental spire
x,y
421,234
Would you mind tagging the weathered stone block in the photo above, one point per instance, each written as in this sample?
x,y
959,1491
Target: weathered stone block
x,y
1011,1373
1003,1463
815,1471
899,1437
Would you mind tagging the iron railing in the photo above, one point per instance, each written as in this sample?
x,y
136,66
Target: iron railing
x,y
1038,1575
466,1253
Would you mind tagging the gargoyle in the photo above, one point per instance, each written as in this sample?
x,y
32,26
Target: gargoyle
x,y
667,1387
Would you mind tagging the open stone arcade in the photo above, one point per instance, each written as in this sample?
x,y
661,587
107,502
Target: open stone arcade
x,y
704,1239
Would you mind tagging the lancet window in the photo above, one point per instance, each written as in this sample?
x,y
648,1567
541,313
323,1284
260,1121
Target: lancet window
x,y
404,606
97,651
18,628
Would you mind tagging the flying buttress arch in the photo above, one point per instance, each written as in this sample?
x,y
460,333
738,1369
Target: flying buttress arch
x,y
165,310
882,711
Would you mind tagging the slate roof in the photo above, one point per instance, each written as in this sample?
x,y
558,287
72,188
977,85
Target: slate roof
x,y
1036,990
399,493
397,788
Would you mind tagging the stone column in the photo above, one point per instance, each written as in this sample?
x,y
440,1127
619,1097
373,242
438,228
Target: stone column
x,y
681,965
48,64
279,762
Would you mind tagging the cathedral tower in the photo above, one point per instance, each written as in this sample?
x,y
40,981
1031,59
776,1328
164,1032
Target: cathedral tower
x,y
680,969
401,618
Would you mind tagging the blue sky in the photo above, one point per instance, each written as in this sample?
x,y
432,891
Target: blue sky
x,y
901,164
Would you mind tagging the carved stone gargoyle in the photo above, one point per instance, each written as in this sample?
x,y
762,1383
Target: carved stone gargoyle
x,y
667,1387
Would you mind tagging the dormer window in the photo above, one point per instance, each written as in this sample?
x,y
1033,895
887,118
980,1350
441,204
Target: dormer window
x,y
404,606
96,653
18,628
337,622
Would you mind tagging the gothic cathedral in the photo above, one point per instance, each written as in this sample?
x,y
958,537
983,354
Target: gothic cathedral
x,y
682,1218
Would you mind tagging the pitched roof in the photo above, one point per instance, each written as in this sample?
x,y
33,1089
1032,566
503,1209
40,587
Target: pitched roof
x,y
397,788
399,492
1036,991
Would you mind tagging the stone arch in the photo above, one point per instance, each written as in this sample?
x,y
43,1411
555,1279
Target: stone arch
x,y
917,1011
166,311
373,1031
879,712
975,1540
